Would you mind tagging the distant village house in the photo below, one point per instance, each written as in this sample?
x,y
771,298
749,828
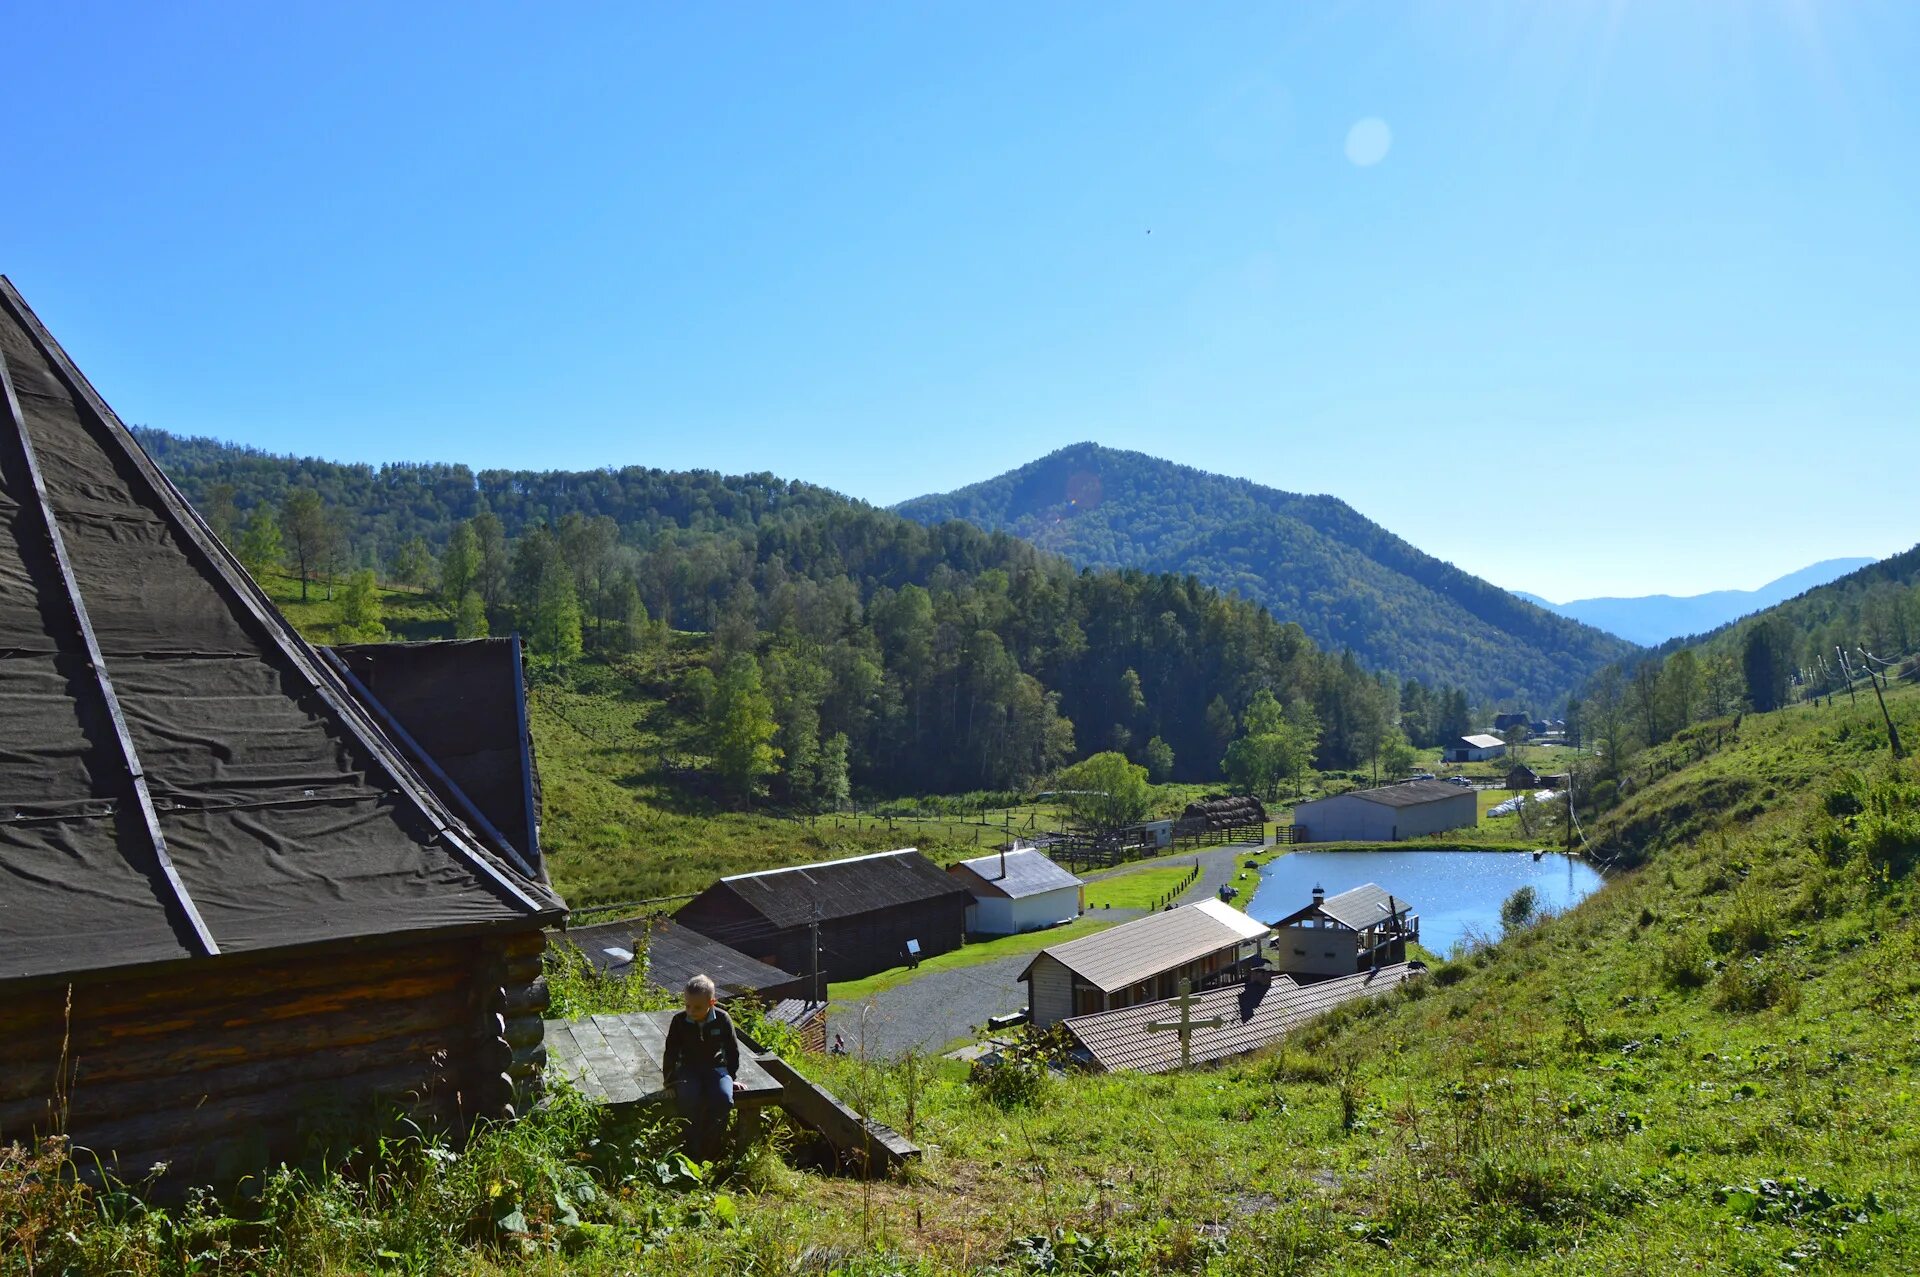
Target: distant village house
x,y
1143,960
1387,814
1016,891
1474,749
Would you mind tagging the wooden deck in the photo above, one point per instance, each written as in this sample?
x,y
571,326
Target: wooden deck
x,y
616,1059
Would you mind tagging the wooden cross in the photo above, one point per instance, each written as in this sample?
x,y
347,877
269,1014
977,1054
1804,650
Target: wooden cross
x,y
1186,1024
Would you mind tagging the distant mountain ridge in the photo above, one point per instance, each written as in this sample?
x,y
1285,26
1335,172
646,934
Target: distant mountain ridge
x,y
1652,619
1310,559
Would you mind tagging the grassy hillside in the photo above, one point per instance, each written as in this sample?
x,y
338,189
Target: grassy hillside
x,y
1311,559
1707,1066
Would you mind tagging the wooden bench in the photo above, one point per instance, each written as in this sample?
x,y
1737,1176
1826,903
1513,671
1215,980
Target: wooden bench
x,y
617,1060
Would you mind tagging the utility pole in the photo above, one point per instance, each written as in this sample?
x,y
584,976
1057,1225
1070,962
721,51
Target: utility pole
x,y
1848,673
813,930
1893,733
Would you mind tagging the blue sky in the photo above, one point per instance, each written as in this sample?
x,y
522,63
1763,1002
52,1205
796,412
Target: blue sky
x,y
1589,298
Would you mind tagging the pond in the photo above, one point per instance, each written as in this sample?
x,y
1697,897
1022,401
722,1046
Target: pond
x,y
1454,892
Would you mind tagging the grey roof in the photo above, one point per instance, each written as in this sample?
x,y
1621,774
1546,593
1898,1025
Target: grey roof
x,y
1412,793
801,894
1254,1015
1363,907
675,954
1482,741
181,774
1024,873
1146,947
1358,909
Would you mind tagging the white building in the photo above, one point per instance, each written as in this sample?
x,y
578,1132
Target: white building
x,y
1017,891
1206,943
1474,749
1388,814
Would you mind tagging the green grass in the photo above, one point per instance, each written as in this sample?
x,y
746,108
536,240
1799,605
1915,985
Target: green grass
x,y
1139,889
1708,1066
968,955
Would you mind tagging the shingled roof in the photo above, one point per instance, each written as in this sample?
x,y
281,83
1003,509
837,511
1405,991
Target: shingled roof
x,y
1255,1015
800,894
181,774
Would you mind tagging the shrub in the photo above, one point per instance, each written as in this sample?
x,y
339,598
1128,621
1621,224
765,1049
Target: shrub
x,y
1755,985
1684,962
1518,909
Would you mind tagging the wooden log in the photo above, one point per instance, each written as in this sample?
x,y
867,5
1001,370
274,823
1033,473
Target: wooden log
x,y
92,1030
530,1058
527,999
235,980
432,1054
368,1092
819,1110
522,970
525,1029
92,1063
519,943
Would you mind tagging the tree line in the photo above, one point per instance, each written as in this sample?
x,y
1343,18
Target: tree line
x,y
848,645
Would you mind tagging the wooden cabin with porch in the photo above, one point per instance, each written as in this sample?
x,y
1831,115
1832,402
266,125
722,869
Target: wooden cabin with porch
x,y
238,921
1206,944
1359,930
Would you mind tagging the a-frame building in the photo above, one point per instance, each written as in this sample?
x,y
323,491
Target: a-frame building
x,y
236,921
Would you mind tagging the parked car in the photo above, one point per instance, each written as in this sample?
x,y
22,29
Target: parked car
x,y
1461,781
1421,776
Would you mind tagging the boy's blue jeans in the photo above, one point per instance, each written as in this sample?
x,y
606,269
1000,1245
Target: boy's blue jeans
x,y
705,1097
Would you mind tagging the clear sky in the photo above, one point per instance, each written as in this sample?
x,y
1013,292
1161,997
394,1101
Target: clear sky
x,y
1589,298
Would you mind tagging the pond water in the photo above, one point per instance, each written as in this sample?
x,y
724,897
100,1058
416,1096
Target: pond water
x,y
1454,892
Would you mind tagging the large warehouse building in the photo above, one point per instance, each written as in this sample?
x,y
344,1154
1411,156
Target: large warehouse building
x,y
1388,814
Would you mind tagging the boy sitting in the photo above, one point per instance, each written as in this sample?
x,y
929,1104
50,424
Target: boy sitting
x,y
700,1061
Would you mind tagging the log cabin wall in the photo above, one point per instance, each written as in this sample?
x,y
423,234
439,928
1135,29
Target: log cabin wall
x,y
221,1066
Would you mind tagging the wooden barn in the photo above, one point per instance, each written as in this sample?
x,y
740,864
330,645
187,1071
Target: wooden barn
x,y
237,922
869,912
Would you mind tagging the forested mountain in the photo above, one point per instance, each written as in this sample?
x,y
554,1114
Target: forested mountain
x,y
1313,560
1652,619
851,646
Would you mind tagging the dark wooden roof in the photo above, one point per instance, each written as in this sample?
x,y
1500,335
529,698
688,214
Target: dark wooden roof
x,y
459,709
182,775
801,894
675,954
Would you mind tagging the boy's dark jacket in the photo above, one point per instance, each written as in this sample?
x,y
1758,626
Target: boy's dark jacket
x,y
708,1044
